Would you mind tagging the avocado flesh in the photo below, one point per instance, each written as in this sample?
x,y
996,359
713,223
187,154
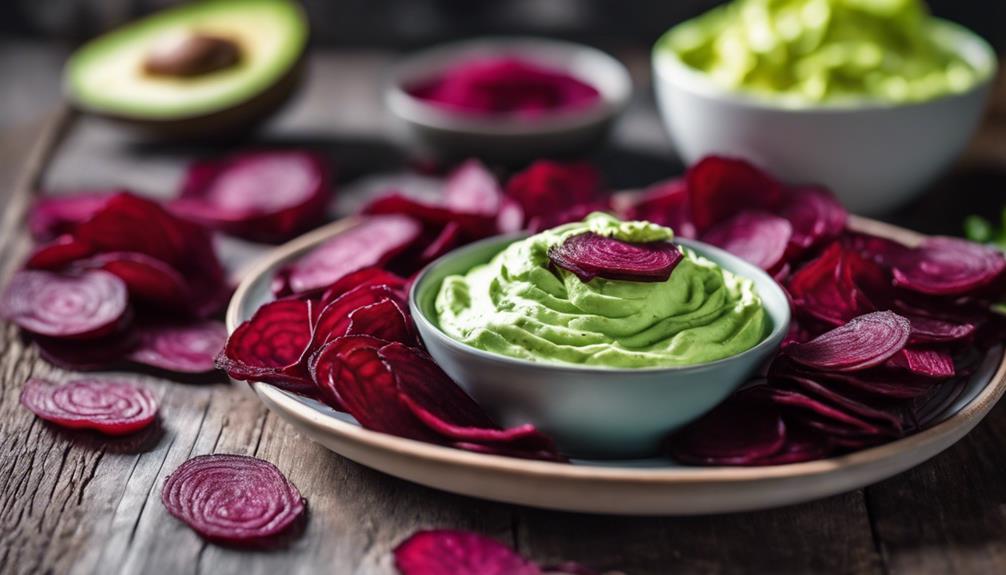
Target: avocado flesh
x,y
107,76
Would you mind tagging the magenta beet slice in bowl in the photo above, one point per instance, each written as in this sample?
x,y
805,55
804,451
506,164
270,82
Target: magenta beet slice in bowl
x,y
267,195
444,552
233,499
866,341
108,406
81,306
757,237
180,348
374,241
590,255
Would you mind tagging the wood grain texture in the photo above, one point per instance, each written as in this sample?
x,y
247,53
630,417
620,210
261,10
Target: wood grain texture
x,y
77,503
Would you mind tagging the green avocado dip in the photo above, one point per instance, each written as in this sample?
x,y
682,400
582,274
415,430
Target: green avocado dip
x,y
519,306
817,51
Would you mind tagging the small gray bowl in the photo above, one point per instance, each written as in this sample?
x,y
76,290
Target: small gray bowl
x,y
508,139
592,411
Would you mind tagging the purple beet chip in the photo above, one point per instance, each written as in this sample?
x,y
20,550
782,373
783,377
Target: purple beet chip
x,y
866,341
590,255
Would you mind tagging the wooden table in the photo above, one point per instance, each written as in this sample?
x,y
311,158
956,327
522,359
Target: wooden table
x,y
74,503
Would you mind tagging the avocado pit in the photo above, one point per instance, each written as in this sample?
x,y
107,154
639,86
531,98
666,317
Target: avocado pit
x,y
190,54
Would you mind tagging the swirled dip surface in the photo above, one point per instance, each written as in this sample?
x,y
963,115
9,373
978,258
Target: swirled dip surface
x,y
811,51
516,305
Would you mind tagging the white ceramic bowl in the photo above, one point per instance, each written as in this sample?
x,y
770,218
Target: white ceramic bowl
x,y
510,139
874,156
592,410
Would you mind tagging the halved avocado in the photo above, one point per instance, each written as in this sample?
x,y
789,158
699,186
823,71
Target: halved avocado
x,y
201,69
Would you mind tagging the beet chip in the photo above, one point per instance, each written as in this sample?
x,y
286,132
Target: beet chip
x,y
83,306
384,320
181,348
107,406
128,223
720,187
58,254
866,341
53,216
665,203
87,355
932,330
334,321
590,255
758,237
948,266
266,196
742,430
326,364
372,242
444,552
148,280
271,346
816,216
839,285
365,277
472,189
450,237
233,499
550,193
924,362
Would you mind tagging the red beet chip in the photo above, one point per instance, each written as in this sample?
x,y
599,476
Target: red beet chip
x,y
365,277
446,409
384,320
450,237
551,193
326,364
740,431
181,348
58,253
367,388
233,499
842,401
924,362
815,215
801,445
472,189
83,306
271,345
266,195
444,552
839,285
334,320
53,216
128,223
879,382
758,237
825,417
949,266
720,187
148,280
104,405
590,255
932,330
665,203
865,341
372,242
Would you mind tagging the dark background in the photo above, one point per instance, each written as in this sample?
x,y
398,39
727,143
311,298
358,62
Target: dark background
x,y
408,23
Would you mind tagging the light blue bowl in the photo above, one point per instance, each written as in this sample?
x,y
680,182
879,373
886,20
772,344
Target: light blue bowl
x,y
592,411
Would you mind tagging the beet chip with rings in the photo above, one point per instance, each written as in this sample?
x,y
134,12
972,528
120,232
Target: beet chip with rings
x,y
180,348
233,499
816,216
949,266
589,255
105,405
82,306
757,237
865,341
720,187
271,346
266,196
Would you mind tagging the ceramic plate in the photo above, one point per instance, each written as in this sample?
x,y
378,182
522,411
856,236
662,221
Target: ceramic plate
x,y
638,487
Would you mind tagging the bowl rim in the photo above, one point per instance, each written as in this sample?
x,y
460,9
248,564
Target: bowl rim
x,y
770,341
668,68
613,98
